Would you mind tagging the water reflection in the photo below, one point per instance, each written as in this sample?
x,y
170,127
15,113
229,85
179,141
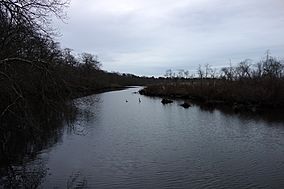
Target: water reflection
x,y
107,143
76,180
20,143
268,116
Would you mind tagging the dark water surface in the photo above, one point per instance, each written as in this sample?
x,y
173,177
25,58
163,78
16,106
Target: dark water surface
x,y
118,144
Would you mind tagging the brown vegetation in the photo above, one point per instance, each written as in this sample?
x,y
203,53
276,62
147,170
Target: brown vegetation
x,y
246,86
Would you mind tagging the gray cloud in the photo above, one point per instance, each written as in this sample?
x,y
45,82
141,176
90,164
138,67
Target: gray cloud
x,y
146,37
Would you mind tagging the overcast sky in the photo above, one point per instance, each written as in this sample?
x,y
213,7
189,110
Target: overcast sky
x,y
146,37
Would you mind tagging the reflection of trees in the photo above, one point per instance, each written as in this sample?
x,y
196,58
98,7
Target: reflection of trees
x,y
76,180
23,176
271,116
20,144
85,113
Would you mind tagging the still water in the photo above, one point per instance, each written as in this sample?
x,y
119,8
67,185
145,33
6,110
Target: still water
x,y
117,144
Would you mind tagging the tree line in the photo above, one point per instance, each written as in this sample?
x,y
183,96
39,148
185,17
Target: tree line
x,y
268,67
36,74
247,85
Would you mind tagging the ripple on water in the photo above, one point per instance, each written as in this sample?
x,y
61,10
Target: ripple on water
x,y
150,145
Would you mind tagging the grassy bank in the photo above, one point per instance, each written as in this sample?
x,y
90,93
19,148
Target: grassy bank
x,y
251,95
246,86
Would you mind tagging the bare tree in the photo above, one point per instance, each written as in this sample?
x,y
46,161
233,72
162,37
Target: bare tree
x,y
200,72
169,73
181,73
225,72
228,72
258,70
90,61
213,73
272,67
68,57
25,28
186,73
243,69
34,13
207,70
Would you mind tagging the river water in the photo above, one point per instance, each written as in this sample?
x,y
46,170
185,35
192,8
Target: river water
x,y
117,144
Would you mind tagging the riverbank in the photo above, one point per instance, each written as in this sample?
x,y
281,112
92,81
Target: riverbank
x,y
243,96
86,92
50,87
150,142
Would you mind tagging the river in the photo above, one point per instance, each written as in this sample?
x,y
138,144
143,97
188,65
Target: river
x,y
113,143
